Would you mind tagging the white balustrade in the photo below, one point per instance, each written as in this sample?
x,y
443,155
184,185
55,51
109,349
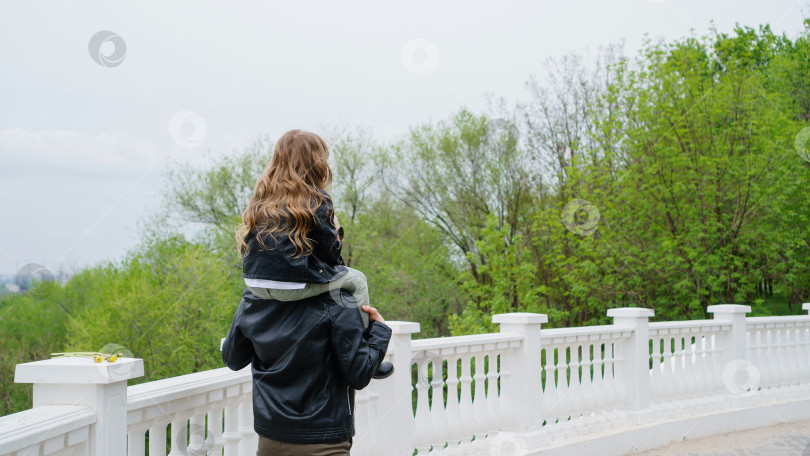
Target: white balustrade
x,y
191,410
779,350
454,406
448,396
579,366
686,360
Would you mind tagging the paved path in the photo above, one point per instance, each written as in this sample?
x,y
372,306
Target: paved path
x,y
783,440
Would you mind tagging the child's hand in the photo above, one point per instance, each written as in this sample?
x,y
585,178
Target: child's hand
x,y
372,313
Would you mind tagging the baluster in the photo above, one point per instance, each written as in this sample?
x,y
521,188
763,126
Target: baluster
x,y
196,430
424,427
656,376
249,440
803,353
455,432
467,413
787,356
679,377
754,353
612,394
493,401
690,365
362,423
479,402
717,364
702,347
574,385
179,434
586,382
550,397
373,440
701,362
768,363
668,372
157,437
437,411
790,356
597,383
563,398
231,435
776,363
215,430
136,439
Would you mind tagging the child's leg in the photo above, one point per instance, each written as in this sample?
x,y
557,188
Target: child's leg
x,y
355,283
287,295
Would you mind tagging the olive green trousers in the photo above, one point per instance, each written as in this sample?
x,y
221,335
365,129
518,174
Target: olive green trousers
x,y
270,447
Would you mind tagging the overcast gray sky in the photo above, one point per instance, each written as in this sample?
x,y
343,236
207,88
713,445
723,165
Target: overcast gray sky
x,y
83,144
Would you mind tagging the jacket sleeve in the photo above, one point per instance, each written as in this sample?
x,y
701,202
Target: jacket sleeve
x,y
237,350
359,355
327,246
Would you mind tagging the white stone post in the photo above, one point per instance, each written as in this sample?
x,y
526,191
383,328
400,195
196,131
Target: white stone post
x,y
395,409
806,307
523,387
633,368
81,381
732,343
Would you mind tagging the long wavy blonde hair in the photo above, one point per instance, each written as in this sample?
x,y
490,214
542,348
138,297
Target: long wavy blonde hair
x,y
287,193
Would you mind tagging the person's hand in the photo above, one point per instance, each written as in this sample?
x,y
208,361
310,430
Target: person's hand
x,y
372,313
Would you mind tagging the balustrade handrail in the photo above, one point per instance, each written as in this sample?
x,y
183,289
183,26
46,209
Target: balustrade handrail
x,y
25,429
173,388
470,341
779,320
562,335
690,325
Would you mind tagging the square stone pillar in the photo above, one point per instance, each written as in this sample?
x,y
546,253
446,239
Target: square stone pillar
x,y
81,381
524,385
395,392
633,371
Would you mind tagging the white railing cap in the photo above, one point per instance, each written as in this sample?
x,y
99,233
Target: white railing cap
x,y
83,370
632,312
403,327
26,429
729,308
520,317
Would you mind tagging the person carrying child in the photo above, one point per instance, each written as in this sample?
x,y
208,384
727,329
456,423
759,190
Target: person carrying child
x,y
290,239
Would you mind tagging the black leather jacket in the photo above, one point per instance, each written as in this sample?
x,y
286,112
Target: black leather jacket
x,y
277,261
307,358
